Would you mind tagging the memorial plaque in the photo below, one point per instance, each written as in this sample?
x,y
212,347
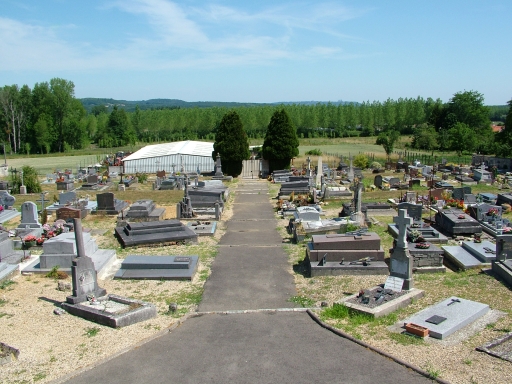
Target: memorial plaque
x,y
66,213
182,259
435,319
394,283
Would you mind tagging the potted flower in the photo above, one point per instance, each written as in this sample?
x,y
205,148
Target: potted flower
x,y
423,245
40,240
493,212
461,217
29,241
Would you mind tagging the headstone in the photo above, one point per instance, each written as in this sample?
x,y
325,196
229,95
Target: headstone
x,y
502,266
413,210
401,263
109,205
377,181
67,197
144,210
218,167
458,193
456,222
320,171
29,216
83,274
7,212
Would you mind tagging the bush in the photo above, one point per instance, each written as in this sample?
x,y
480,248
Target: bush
x,y
361,161
376,165
314,152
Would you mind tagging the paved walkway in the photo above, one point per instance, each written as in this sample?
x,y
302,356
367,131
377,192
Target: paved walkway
x,y
250,272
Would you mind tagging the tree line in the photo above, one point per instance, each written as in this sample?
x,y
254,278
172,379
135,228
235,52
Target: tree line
x,y
48,118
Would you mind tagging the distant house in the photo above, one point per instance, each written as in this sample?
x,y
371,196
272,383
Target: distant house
x,y
497,128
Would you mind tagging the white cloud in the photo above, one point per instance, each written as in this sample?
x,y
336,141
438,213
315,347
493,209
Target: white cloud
x,y
178,37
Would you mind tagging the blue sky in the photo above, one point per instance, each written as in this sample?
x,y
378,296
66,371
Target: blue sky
x,y
260,51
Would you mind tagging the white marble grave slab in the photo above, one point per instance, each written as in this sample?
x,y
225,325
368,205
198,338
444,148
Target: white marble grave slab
x,y
457,314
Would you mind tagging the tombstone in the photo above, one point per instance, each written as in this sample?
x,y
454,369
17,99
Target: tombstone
x,y
7,212
469,255
165,231
29,217
456,222
413,210
91,302
357,253
502,266
66,198
470,199
158,267
377,181
448,316
109,205
350,174
4,185
144,210
8,254
319,172
218,166
92,182
160,174
66,184
458,193
61,250
307,213
401,262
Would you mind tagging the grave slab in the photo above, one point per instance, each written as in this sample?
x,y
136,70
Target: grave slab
x,y
7,271
154,232
158,267
386,308
206,228
500,347
457,311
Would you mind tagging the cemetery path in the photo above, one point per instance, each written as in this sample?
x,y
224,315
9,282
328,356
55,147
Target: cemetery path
x,y
249,272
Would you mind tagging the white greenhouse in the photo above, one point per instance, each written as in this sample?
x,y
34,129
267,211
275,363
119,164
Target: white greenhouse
x,y
181,156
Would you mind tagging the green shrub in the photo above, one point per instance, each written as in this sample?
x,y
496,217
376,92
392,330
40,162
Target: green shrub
x,y
314,152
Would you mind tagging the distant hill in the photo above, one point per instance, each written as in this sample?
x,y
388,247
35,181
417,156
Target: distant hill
x,y
129,106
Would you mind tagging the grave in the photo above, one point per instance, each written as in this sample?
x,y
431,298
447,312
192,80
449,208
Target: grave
x,y
7,212
218,170
158,267
8,271
456,222
500,347
143,210
470,200
91,302
29,220
7,252
357,253
401,262
470,254
203,228
502,198
400,279
107,204
448,316
481,175
70,199
502,266
61,250
443,185
65,182
463,179
92,183
459,192
425,230
426,260
151,232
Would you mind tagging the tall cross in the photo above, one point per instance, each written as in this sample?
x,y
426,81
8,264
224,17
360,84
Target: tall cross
x,y
402,221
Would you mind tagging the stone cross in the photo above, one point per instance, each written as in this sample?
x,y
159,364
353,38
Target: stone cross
x,y
402,221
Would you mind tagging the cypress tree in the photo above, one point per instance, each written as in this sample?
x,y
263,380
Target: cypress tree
x,y
281,143
231,144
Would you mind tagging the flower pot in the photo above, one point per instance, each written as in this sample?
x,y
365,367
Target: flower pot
x,y
416,329
28,244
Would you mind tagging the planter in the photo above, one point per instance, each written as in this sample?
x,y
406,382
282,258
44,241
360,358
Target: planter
x,y
28,244
417,330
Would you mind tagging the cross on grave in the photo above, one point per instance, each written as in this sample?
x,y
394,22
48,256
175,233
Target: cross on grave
x,y
402,221
42,201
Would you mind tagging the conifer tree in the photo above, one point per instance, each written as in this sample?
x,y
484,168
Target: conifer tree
x,y
231,144
281,143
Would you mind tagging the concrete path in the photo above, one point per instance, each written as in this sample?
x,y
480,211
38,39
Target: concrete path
x,y
250,272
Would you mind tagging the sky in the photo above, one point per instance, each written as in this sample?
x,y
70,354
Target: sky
x,y
260,51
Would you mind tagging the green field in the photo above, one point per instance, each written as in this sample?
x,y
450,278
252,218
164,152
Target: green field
x,y
331,149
